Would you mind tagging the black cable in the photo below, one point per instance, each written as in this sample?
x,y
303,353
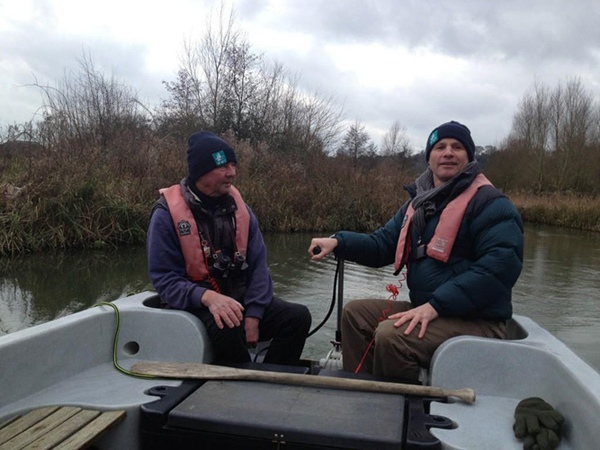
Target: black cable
x,y
258,353
333,298
335,283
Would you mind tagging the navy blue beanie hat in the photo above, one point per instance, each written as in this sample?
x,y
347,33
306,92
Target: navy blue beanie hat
x,y
206,151
453,130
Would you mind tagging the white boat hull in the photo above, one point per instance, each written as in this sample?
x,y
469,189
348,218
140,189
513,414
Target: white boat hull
x,y
69,362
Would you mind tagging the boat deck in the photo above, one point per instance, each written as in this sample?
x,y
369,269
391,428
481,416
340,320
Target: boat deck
x,y
57,428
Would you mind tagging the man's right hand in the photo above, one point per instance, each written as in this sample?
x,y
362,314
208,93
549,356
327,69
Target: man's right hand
x,y
327,245
224,309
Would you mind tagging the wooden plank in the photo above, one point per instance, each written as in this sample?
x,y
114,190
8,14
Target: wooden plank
x,y
64,430
210,372
9,421
40,428
27,421
93,431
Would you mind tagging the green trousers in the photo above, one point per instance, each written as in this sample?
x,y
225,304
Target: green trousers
x,y
393,353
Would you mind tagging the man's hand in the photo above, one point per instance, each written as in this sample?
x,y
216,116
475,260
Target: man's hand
x,y
251,324
326,244
223,308
421,314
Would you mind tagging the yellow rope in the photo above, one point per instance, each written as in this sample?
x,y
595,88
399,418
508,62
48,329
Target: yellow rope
x,y
115,340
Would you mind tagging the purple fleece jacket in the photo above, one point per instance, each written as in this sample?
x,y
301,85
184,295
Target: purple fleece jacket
x,y
166,268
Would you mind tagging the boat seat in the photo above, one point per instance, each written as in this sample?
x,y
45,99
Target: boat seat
x,y
57,428
504,372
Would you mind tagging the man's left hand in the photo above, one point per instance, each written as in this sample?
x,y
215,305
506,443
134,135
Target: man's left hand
x,y
251,325
421,314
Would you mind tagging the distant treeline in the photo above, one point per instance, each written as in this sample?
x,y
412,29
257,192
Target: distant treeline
x,y
87,174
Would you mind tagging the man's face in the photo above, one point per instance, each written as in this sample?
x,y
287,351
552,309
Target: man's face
x,y
218,181
448,157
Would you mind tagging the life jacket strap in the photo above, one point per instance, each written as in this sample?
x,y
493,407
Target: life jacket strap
x,y
421,252
418,253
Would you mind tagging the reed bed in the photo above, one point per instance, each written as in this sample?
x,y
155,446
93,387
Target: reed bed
x,y
95,199
565,210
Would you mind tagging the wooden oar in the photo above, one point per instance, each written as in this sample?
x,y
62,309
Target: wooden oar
x,y
210,372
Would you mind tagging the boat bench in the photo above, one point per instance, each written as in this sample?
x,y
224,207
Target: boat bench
x,y
57,428
504,372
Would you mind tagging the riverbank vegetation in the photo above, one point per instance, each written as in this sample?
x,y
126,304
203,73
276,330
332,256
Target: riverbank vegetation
x,y
87,174
565,210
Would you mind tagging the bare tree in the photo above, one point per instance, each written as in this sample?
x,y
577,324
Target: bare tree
x,y
574,132
356,143
395,142
554,136
225,87
213,55
531,128
90,107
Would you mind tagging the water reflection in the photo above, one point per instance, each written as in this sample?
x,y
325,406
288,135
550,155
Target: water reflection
x,y
559,287
38,288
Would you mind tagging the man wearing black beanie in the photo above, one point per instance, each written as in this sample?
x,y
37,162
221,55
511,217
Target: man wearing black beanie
x,y
206,255
461,242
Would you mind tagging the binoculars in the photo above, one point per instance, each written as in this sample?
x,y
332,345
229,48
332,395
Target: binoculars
x,y
224,266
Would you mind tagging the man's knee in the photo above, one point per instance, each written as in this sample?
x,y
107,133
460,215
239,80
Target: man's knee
x,y
387,336
301,316
229,335
297,317
395,352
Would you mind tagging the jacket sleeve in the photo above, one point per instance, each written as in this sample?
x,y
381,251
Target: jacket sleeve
x,y
259,286
498,243
166,265
373,250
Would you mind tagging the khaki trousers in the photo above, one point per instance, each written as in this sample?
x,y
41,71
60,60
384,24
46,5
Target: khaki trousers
x,y
393,353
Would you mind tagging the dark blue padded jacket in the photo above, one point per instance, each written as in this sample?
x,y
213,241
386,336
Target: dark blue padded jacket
x,y
485,264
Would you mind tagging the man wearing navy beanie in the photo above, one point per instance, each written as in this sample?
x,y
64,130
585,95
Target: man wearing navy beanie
x,y
454,130
461,243
206,255
206,151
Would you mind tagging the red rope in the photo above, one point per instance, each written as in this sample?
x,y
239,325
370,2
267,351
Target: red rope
x,y
211,280
394,291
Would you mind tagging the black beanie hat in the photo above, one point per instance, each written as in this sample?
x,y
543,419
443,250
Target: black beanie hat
x,y
453,130
206,151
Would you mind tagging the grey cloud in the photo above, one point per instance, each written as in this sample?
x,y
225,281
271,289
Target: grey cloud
x,y
505,44
43,56
530,31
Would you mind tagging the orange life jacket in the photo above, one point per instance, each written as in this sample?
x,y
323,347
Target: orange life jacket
x,y
189,236
446,230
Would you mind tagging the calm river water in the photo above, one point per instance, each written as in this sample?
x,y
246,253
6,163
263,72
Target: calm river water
x,y
559,287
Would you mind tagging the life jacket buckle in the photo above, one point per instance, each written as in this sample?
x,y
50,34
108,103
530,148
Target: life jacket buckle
x,y
418,253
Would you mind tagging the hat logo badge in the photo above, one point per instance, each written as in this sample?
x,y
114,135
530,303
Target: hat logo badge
x,y
433,138
219,158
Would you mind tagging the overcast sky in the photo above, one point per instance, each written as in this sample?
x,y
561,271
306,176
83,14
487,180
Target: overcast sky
x,y
422,62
